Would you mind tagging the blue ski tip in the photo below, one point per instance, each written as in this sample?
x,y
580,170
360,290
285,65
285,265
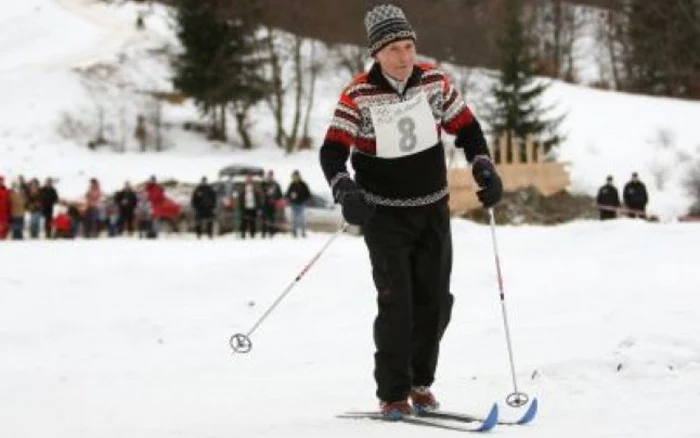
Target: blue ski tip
x,y
490,421
529,415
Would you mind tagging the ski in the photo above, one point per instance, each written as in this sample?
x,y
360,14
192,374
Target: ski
x,y
525,418
463,424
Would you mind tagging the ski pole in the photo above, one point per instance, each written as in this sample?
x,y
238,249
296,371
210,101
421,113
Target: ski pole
x,y
241,343
515,398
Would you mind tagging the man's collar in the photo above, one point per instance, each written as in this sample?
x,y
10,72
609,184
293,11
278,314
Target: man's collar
x,y
376,77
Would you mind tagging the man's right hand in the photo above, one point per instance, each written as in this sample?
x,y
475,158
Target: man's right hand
x,y
356,209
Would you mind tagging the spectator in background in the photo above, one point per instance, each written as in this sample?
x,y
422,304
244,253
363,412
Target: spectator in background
x,y
23,186
62,224
75,218
297,194
5,209
272,194
126,203
156,195
18,208
204,202
34,206
250,199
111,212
144,216
93,197
155,191
49,198
608,200
635,196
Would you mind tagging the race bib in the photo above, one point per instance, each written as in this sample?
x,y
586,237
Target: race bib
x,y
404,128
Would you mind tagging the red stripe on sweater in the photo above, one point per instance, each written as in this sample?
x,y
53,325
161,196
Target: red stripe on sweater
x,y
366,145
339,136
464,118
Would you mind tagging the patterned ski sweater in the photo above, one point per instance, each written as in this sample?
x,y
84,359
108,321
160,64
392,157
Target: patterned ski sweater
x,y
395,139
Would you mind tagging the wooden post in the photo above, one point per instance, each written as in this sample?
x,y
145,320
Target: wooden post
x,y
530,145
496,150
503,145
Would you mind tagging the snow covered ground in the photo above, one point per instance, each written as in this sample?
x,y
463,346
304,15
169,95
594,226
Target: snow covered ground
x,y
118,338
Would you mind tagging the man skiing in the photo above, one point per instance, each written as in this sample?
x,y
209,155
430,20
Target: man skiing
x,y
390,122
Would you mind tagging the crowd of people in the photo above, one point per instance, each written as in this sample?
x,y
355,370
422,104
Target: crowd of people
x,y
634,199
257,204
127,211
36,209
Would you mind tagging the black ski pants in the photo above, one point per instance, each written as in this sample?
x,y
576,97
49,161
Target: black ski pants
x,y
411,254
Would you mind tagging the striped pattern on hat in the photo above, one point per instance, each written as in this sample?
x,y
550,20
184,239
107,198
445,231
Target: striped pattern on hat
x,y
386,24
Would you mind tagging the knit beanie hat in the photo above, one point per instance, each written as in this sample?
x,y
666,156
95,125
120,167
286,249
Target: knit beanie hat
x,y
386,24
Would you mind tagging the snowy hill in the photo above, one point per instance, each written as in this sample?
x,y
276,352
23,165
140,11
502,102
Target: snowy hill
x,y
48,113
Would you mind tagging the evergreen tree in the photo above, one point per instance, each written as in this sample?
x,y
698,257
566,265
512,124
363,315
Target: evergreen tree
x,y
517,112
219,65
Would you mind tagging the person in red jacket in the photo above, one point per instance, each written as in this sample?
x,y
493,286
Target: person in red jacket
x,y
62,225
155,191
4,209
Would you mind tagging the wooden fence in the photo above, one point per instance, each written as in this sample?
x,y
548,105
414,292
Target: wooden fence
x,y
520,165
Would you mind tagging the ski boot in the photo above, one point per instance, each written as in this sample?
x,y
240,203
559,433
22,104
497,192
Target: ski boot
x,y
423,400
395,410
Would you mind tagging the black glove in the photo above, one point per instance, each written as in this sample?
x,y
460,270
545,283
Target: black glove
x,y
486,177
356,209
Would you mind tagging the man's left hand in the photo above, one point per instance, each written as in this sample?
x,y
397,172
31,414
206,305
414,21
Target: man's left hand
x,y
488,180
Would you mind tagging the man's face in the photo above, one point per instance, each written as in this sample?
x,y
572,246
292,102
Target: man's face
x,y
397,59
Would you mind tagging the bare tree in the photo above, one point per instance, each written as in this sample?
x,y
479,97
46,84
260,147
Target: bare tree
x,y
654,45
298,89
275,99
350,59
315,68
298,93
556,26
241,111
608,29
98,81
